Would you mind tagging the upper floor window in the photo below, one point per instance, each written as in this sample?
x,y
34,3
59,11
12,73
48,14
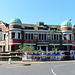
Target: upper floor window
x,y
13,35
70,37
54,37
18,35
39,36
65,36
42,36
29,36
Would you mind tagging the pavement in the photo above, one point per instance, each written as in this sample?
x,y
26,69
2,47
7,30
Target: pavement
x,y
32,62
38,68
22,62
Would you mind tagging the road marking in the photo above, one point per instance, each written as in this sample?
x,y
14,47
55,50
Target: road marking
x,y
53,72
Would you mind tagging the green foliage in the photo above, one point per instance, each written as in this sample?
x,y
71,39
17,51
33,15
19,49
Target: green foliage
x,y
25,48
40,50
53,30
49,29
20,46
54,49
35,28
18,50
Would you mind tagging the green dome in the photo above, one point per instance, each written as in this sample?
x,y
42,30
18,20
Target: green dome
x,y
15,20
66,23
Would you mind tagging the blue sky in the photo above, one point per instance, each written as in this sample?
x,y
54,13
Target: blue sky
x,y
52,12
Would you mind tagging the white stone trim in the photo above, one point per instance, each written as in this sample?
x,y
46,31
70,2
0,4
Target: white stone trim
x,y
54,44
69,31
15,43
55,33
28,30
29,43
16,35
15,24
10,35
73,45
67,44
42,45
21,43
43,42
2,44
20,36
15,29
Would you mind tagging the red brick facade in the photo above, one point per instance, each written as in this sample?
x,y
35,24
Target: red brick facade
x,y
20,36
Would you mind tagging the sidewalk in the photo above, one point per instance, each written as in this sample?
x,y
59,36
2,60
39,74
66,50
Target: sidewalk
x,y
37,62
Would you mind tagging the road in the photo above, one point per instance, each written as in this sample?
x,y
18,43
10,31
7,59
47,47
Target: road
x,y
58,68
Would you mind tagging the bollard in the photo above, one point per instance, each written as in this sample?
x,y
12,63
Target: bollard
x,y
9,61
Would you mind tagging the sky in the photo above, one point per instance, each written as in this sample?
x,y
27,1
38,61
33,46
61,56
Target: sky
x,y
51,12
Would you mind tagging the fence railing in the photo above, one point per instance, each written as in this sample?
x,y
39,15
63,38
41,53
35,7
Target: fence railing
x,y
39,56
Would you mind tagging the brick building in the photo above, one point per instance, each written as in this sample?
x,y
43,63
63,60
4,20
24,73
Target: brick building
x,y
39,35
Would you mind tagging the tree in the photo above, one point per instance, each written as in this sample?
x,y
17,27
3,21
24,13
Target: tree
x,y
40,50
25,48
54,49
35,28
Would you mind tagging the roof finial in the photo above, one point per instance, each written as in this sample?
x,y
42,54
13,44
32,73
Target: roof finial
x,y
70,19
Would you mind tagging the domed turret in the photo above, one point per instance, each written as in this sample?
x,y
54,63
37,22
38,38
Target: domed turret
x,y
15,20
66,25
15,23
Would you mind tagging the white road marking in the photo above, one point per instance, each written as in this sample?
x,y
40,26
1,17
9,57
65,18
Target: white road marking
x,y
53,72
55,67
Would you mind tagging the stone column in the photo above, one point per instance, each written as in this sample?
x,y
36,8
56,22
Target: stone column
x,y
20,35
46,49
7,41
10,35
56,37
40,47
16,35
68,37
